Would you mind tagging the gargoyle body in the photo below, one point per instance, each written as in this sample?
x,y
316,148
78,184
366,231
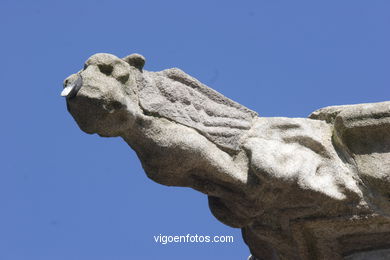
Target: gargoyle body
x,y
300,188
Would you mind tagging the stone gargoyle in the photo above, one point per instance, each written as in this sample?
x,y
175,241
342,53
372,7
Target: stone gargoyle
x,y
299,188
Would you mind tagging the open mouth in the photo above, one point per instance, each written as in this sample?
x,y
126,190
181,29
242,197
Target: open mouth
x,y
71,90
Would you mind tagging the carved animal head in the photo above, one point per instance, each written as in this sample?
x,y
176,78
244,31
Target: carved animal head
x,y
102,97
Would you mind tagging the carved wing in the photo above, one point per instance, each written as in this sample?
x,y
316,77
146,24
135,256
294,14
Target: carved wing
x,y
174,95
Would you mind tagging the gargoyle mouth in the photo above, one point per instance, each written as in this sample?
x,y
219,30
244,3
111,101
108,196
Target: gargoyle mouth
x,y
71,90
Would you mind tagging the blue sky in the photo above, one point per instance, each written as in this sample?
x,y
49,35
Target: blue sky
x,y
68,195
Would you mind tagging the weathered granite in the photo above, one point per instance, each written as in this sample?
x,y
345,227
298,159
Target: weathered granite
x,y
299,188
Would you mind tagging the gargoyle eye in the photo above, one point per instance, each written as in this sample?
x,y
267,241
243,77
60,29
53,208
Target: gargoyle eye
x,y
106,69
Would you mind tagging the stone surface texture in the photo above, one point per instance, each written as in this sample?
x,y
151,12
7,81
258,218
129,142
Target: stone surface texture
x,y
299,188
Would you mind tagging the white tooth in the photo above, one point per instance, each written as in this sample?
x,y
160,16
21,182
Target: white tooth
x,y
65,92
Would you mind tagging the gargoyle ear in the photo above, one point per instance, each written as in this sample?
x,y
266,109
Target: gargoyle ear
x,y
135,60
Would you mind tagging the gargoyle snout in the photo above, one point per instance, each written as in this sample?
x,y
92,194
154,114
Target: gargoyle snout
x,y
72,85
